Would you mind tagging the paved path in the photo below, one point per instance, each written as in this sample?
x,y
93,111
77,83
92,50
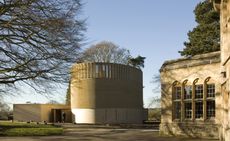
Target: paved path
x,y
92,134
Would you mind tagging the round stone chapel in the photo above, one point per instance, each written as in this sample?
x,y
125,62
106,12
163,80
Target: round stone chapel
x,y
106,93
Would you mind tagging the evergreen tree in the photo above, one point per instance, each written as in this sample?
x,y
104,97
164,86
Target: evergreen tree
x,y
67,98
205,37
137,62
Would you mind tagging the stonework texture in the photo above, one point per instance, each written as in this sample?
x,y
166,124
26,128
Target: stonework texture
x,y
223,6
218,72
198,70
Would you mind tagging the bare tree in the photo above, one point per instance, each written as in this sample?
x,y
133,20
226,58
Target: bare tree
x,y
53,102
156,80
39,40
106,52
4,109
155,101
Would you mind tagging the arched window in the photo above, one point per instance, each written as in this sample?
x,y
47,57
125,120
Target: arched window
x,y
199,94
194,101
188,92
210,98
187,100
176,100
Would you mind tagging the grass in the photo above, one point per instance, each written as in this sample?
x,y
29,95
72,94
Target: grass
x,y
28,129
32,131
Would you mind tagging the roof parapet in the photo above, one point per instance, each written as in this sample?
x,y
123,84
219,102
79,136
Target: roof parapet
x,y
191,61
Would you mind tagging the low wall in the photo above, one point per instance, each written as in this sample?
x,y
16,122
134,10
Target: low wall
x,y
27,112
39,112
196,130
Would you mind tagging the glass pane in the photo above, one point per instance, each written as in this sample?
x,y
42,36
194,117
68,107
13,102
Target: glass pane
x,y
177,92
199,109
210,109
211,90
177,110
199,91
188,92
188,110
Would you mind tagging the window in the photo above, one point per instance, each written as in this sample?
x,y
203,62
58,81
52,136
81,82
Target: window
x,y
177,93
210,90
194,105
210,109
177,109
199,109
177,102
188,110
199,91
188,92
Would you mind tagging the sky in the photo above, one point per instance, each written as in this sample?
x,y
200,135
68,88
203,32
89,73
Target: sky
x,y
155,29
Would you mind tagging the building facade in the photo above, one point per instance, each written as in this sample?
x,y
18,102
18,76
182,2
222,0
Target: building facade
x,y
223,6
191,100
106,93
173,115
42,112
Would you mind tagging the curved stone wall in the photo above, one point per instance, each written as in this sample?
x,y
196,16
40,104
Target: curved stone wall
x,y
106,70
106,93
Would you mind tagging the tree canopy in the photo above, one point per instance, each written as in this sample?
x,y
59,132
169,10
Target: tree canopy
x,y
39,40
205,37
106,52
137,62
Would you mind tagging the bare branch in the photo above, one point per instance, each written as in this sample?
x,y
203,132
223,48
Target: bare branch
x,y
106,52
39,40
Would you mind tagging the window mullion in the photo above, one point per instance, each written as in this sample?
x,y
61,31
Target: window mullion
x,y
182,103
173,103
205,102
193,102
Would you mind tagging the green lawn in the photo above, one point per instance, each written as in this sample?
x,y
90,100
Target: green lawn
x,y
28,129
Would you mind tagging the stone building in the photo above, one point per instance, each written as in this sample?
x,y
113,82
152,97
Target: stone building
x,y
106,93
100,93
223,6
191,99
198,72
